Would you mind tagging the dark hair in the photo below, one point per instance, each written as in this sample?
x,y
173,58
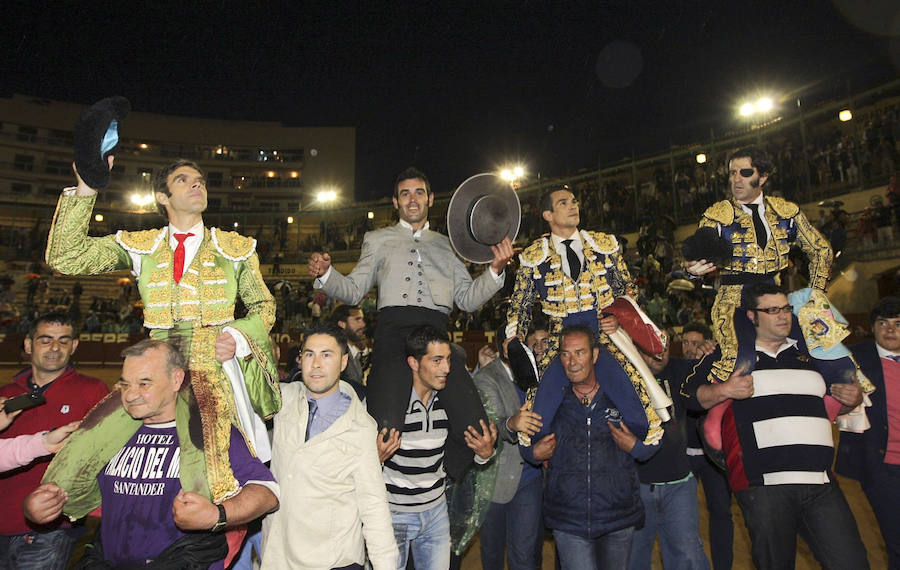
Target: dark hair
x,y
500,337
758,159
341,313
539,323
418,340
161,181
174,359
887,308
578,329
545,202
698,327
332,330
411,173
53,317
754,291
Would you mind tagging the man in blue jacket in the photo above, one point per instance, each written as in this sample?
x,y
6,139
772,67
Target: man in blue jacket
x,y
873,457
592,495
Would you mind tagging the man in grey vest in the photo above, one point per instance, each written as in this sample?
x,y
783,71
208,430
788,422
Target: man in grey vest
x,y
419,279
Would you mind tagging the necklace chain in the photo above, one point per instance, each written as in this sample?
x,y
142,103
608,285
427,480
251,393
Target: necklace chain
x,y
585,396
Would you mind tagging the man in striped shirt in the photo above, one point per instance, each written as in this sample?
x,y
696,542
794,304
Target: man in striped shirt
x,y
414,463
778,441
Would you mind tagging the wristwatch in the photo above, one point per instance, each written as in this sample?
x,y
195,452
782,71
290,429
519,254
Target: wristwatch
x,y
223,520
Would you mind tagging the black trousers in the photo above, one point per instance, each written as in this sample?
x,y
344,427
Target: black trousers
x,y
390,383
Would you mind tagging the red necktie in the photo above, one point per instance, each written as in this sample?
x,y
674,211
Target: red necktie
x,y
178,267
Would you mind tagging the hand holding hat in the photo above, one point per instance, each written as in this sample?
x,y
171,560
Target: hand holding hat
x,y
483,212
97,139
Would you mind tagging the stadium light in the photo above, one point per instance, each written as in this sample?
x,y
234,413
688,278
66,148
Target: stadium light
x,y
370,215
845,115
747,109
290,219
512,173
701,158
326,196
764,104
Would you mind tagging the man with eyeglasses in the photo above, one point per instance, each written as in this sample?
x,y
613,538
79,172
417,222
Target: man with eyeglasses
x,y
761,229
778,439
69,396
873,457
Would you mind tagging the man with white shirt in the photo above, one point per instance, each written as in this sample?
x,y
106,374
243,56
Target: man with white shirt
x,y
190,277
761,229
873,457
419,279
778,439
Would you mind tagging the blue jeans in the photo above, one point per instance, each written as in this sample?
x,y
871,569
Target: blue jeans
x,y
44,550
516,525
608,551
718,504
428,532
775,514
244,559
671,511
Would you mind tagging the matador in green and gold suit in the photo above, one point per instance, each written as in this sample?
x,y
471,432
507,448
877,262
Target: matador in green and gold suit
x,y
191,314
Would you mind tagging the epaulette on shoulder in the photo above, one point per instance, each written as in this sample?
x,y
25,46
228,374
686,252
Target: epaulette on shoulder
x,y
535,253
141,242
784,208
232,245
600,242
721,212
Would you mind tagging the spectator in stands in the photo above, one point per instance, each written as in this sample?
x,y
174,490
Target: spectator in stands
x,y
191,278
882,221
148,514
873,457
414,464
779,444
69,396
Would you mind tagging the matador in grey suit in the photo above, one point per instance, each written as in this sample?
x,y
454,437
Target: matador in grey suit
x,y
419,278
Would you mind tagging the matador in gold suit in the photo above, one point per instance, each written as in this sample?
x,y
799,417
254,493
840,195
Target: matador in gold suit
x,y
192,311
567,299
760,246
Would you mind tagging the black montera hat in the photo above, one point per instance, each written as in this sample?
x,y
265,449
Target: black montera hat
x,y
97,137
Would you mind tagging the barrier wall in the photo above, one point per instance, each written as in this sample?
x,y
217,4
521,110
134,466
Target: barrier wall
x,y
100,349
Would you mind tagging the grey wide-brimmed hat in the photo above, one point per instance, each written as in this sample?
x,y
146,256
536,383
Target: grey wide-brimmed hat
x,y
483,211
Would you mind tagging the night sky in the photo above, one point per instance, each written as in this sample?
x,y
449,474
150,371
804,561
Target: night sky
x,y
460,89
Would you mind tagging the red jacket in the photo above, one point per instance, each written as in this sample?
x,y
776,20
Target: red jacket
x,y
69,398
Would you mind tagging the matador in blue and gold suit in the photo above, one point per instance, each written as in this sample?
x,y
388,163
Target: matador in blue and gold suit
x,y
565,302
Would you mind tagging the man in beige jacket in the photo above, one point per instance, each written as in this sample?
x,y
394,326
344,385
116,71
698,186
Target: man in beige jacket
x,y
334,508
